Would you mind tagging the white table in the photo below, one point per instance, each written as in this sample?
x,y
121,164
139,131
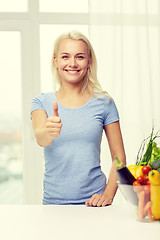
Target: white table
x,y
74,222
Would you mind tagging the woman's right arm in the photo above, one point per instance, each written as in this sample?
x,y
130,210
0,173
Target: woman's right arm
x,y
46,129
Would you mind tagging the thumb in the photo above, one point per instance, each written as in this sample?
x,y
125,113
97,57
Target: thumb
x,y
55,109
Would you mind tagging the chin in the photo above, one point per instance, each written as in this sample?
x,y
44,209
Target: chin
x,y
73,80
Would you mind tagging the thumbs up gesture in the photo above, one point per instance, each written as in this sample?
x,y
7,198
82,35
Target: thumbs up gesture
x,y
54,124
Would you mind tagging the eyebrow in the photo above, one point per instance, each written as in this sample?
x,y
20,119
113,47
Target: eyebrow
x,y
76,54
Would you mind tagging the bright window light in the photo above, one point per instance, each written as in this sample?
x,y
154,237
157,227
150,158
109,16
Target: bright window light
x,y
63,6
11,190
13,6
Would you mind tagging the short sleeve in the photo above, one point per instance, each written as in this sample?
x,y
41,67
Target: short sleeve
x,y
110,113
37,103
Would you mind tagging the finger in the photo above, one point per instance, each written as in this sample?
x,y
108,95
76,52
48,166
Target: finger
x,y
87,202
106,203
54,119
54,134
91,200
55,109
96,200
53,125
100,202
54,130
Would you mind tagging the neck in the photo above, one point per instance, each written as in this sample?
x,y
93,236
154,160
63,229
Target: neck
x,y
70,90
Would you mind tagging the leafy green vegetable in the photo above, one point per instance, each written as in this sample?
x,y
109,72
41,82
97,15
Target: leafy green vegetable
x,y
148,151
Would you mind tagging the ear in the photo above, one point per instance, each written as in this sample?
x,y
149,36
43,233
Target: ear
x,y
55,61
89,62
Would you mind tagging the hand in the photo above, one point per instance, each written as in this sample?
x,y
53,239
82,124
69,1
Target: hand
x,y
54,125
98,200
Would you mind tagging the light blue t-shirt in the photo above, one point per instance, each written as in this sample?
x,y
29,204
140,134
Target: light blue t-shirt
x,y
72,162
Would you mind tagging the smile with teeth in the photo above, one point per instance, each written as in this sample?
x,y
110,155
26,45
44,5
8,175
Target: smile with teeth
x,y
72,71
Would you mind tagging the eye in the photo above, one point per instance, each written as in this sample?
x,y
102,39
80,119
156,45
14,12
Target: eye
x,y
80,57
65,57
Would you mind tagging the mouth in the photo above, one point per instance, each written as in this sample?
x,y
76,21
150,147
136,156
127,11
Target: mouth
x,y
72,71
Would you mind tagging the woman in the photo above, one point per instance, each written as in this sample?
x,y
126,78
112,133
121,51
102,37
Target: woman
x,y
69,124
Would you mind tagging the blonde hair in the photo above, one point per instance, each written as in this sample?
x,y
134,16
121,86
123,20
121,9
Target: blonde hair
x,y
90,81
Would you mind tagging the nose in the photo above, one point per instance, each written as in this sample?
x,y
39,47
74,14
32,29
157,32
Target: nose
x,y
73,62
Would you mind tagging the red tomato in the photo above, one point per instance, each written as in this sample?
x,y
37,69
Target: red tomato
x,y
137,187
147,182
146,169
136,183
146,178
140,179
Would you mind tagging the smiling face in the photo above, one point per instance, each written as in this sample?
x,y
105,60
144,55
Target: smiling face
x,y
72,60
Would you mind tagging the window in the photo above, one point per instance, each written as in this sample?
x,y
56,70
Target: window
x,y
14,6
10,121
63,6
125,6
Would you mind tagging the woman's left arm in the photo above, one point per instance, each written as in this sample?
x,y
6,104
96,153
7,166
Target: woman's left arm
x,y
115,141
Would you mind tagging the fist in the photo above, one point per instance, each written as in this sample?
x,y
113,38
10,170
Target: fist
x,y
54,124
